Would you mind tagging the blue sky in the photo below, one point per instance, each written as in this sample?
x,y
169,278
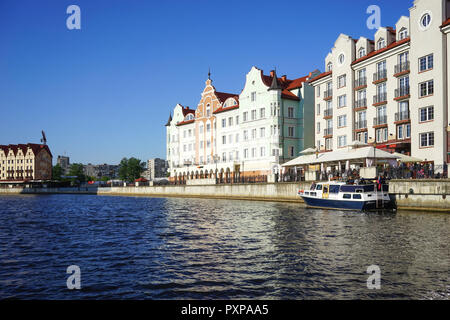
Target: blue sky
x,y
105,92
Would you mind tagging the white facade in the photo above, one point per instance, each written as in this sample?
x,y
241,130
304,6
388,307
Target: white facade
x,y
396,87
249,134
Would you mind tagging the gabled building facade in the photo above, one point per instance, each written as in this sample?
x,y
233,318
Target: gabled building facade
x,y
391,91
25,162
250,134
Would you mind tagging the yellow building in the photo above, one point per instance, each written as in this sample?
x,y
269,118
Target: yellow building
x,y
24,162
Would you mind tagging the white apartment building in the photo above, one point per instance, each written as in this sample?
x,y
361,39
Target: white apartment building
x,y
250,134
391,91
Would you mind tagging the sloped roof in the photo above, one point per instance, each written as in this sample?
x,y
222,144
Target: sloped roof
x,y
320,76
377,52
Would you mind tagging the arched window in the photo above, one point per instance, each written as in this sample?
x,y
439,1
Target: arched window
x,y
208,110
330,66
381,44
361,52
403,34
189,117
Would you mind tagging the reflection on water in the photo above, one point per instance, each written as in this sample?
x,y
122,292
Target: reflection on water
x,y
215,249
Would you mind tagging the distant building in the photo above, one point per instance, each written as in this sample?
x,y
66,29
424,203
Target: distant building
x,y
25,162
64,163
101,170
156,168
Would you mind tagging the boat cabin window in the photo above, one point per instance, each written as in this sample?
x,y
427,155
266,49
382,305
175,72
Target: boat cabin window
x,y
335,189
357,196
347,196
319,187
325,189
359,191
314,194
307,193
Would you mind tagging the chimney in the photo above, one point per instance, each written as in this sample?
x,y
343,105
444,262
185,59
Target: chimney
x,y
272,72
284,77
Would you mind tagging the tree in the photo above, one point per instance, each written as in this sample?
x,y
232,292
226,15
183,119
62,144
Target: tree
x,y
57,172
77,169
131,169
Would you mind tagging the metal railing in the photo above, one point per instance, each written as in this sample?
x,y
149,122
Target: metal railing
x,y
400,116
328,132
402,92
328,94
380,97
402,67
361,103
380,75
361,82
361,124
328,113
380,120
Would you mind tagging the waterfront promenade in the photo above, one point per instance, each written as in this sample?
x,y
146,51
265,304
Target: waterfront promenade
x,y
423,195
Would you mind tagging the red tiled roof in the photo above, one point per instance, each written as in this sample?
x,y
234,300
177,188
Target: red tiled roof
x,y
223,96
377,52
182,123
289,95
286,85
446,23
222,109
320,76
187,111
36,148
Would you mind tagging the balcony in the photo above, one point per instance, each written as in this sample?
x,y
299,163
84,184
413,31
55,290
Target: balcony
x,y
402,93
328,113
361,82
402,116
402,68
380,121
380,76
360,125
380,98
328,132
327,95
361,103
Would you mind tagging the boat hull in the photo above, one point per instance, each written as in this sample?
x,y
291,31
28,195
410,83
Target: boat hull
x,y
347,205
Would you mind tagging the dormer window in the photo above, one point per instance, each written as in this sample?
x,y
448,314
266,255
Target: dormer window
x,y
403,34
361,52
330,66
189,117
381,44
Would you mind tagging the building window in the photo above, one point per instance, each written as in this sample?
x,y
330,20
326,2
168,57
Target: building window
x,y
262,113
425,21
262,132
318,127
253,96
426,63
253,152
290,112
318,91
330,66
291,132
404,131
426,88
361,52
426,114
341,58
237,120
342,121
329,144
208,127
245,135
263,151
245,153
292,151
253,114
342,101
342,81
230,121
403,34
318,109
427,139
381,44
381,135
254,134
245,116
342,141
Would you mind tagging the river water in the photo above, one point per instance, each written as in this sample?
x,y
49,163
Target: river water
x,y
144,248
